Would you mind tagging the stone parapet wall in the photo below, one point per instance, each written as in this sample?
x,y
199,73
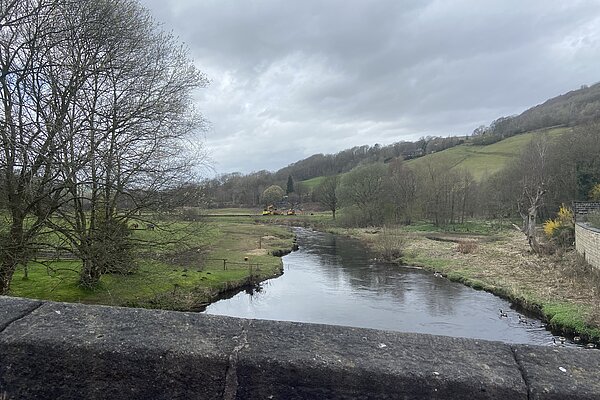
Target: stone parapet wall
x,y
587,243
70,351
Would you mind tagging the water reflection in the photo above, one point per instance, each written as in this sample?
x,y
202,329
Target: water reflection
x,y
334,280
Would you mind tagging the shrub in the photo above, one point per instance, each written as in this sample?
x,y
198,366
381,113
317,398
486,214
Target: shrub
x,y
551,226
112,249
190,214
390,245
466,246
561,230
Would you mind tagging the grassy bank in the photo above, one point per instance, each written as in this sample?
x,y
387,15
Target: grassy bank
x,y
183,270
561,289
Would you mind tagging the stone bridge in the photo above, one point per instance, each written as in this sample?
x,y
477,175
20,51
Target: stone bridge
x,y
71,351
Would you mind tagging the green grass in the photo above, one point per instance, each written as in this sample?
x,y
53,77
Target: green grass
x,y
182,270
230,211
571,317
310,184
482,161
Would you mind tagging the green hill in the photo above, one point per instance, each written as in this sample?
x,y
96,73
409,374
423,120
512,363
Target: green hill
x,y
483,161
480,161
312,183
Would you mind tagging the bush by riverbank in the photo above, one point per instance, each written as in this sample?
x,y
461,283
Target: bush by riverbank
x,y
561,289
177,274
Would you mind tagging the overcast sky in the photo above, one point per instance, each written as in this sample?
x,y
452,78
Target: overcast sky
x,y
293,78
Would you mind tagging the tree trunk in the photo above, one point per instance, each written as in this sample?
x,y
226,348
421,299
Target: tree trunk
x,y
464,207
452,198
529,219
530,230
6,273
90,274
12,254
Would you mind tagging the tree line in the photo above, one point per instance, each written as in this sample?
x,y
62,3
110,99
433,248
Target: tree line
x,y
577,107
95,123
553,170
549,172
237,189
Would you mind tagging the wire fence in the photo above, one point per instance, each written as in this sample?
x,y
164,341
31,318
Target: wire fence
x,y
226,262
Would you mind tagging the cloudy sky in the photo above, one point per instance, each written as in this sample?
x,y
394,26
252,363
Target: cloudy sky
x,y
290,78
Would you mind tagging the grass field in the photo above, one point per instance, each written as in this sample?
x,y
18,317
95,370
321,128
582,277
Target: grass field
x,y
232,211
310,184
183,271
482,161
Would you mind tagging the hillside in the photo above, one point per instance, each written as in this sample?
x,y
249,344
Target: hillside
x,y
576,107
487,150
483,161
573,108
480,161
313,182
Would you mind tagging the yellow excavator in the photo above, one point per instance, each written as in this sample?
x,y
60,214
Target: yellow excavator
x,y
271,210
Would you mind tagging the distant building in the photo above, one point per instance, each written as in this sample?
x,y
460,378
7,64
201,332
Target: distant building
x,y
582,208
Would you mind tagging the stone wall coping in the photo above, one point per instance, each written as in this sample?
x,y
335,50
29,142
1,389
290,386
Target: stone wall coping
x,y
73,351
586,225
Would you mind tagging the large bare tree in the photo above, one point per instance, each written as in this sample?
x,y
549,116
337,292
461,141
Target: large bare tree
x,y
365,188
33,120
137,128
96,117
403,191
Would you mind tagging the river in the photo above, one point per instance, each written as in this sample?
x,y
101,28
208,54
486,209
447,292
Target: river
x,y
334,280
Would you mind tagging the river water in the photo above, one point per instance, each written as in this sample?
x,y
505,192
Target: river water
x,y
334,280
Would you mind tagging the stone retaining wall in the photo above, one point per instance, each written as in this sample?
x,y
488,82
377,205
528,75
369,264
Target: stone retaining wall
x,y
587,243
70,351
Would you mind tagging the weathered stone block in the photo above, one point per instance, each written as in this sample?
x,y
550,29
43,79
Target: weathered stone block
x,y
560,373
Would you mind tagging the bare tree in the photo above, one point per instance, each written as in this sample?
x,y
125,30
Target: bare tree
x,y
438,191
533,165
33,120
403,190
137,124
365,188
95,115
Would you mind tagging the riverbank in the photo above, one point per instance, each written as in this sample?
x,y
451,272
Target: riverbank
x,y
560,289
209,258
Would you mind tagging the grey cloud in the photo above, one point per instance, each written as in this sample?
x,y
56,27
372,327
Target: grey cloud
x,y
292,78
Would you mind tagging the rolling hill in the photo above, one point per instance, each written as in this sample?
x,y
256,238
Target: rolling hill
x,y
483,161
555,116
480,161
485,152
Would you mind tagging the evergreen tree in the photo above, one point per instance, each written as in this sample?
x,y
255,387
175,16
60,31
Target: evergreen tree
x,y
290,185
